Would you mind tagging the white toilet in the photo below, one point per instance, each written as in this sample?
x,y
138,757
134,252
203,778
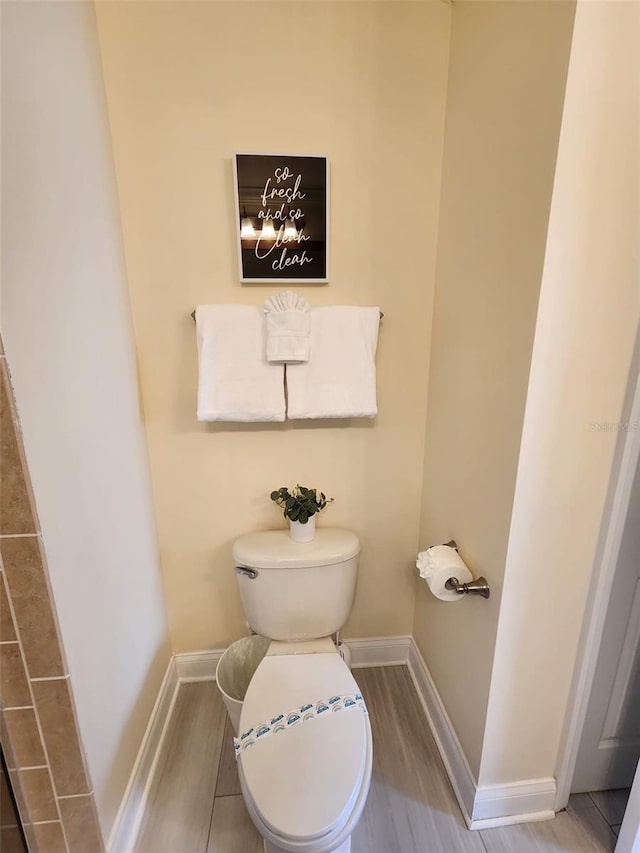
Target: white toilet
x,y
304,746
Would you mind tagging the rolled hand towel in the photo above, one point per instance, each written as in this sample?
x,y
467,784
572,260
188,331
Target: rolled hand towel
x,y
288,328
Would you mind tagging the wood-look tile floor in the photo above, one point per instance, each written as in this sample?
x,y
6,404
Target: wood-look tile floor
x,y
195,804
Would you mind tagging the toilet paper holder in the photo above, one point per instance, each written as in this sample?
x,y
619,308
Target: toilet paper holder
x,y
479,586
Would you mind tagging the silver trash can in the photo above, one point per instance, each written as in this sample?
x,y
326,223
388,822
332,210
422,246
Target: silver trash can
x,y
235,670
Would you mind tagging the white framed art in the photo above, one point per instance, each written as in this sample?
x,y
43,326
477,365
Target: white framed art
x,y
282,217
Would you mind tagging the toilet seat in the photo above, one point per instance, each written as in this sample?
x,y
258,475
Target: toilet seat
x,y
305,787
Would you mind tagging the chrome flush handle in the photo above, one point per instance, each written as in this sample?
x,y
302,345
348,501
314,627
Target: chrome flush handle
x,y
252,574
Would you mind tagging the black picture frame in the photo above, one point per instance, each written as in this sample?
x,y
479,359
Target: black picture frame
x,y
282,217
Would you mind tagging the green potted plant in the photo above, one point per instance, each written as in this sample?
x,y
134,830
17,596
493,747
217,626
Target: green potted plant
x,y
300,506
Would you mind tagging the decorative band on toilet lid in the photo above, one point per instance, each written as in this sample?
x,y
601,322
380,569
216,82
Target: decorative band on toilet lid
x,y
305,783
308,711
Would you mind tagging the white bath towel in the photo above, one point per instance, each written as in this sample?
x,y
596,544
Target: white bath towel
x,y
235,382
288,328
339,380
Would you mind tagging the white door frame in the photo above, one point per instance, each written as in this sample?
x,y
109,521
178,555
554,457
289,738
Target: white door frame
x,y
623,472
629,835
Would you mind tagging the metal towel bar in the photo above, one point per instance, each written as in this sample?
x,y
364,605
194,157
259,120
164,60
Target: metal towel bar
x,y
193,315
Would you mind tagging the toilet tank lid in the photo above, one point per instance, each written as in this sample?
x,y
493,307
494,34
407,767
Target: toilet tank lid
x,y
275,549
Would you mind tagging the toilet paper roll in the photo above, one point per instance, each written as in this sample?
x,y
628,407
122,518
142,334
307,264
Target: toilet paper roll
x,y
439,563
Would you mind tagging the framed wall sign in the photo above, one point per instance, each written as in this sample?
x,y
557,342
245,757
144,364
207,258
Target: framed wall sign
x,y
282,214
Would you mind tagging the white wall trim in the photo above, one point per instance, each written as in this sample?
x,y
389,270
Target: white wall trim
x,y
489,805
198,666
451,752
127,823
379,651
629,835
368,651
615,515
515,802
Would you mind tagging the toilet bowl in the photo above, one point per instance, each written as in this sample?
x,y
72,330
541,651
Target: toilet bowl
x,y
304,749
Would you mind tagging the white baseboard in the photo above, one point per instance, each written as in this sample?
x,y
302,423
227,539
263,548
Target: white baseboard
x,y
482,806
516,802
127,823
378,651
455,761
198,666
369,651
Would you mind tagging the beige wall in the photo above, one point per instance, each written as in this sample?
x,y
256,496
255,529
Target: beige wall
x,y
587,325
507,74
187,85
67,331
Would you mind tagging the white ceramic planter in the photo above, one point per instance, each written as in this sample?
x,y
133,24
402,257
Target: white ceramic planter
x,y
303,532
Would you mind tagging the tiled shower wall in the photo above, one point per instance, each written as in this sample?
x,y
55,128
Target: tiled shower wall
x,y
39,731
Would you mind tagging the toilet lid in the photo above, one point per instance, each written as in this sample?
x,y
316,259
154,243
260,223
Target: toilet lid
x,y
304,781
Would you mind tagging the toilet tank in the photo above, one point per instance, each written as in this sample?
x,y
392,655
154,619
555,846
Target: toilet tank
x,y
297,590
